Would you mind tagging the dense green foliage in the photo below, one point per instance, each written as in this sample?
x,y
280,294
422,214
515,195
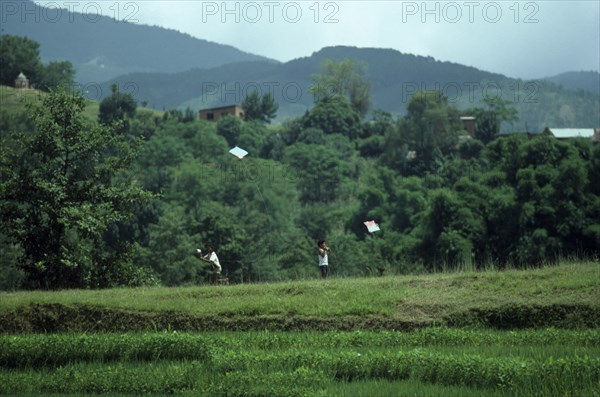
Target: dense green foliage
x,y
441,202
345,78
525,363
61,189
117,108
259,108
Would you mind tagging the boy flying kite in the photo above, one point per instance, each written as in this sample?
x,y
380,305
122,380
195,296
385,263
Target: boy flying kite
x,y
211,257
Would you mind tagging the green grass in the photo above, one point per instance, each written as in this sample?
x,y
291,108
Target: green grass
x,y
497,298
547,362
530,359
14,101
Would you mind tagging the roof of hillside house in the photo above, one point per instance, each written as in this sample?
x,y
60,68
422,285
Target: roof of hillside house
x,y
220,107
572,132
21,76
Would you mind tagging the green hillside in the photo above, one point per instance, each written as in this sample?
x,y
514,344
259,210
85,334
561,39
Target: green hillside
x,y
15,101
394,78
587,81
565,296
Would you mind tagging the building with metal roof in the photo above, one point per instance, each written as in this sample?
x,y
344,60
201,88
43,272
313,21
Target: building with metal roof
x,y
568,133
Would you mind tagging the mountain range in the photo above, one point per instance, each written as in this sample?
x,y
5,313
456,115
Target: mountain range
x,y
102,48
167,69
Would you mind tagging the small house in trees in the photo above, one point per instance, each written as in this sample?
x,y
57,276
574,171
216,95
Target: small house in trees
x,y
21,81
468,123
215,114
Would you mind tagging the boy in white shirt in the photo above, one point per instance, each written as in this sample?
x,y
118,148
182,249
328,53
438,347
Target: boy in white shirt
x,y
212,258
323,260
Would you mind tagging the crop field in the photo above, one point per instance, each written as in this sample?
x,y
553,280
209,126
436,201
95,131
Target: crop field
x,y
433,361
513,333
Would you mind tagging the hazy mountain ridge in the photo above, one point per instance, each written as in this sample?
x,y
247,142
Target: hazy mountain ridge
x,y
583,80
102,48
394,78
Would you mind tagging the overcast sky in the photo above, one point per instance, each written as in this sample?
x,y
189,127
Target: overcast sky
x,y
524,39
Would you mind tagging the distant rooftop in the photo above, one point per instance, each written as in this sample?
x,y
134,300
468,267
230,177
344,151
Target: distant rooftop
x,y
564,133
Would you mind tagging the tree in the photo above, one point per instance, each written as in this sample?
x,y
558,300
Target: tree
x,y
19,54
447,227
428,131
117,107
256,108
22,55
56,74
490,120
346,78
61,189
230,128
251,106
268,107
321,171
334,115
431,121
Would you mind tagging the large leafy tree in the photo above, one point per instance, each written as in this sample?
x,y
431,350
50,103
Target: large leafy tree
x,y
56,74
320,171
230,128
19,54
333,115
61,189
490,119
22,55
118,107
428,131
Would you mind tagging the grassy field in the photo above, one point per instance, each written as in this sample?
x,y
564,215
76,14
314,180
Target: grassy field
x,y
496,333
15,100
566,295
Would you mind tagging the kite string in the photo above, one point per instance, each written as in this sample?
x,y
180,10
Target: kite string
x,y
262,197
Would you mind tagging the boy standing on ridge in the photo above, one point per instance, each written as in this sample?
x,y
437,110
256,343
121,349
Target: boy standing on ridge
x,y
211,257
323,260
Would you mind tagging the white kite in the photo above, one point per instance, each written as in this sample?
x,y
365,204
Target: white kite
x,y
238,152
371,226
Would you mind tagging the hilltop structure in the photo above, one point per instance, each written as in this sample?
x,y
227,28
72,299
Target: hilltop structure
x,y
21,81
